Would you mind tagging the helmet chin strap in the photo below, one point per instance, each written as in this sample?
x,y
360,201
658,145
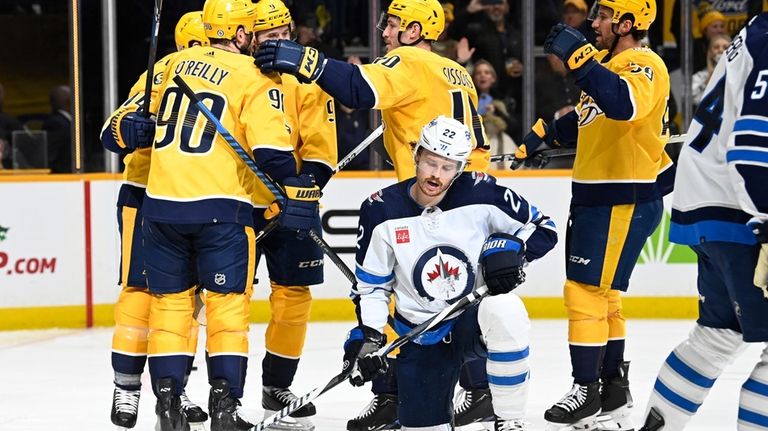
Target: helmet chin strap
x,y
614,28
415,42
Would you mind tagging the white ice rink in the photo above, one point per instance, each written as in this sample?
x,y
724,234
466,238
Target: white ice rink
x,y
62,379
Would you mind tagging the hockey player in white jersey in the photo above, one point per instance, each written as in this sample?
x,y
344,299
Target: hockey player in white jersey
x,y
720,209
429,241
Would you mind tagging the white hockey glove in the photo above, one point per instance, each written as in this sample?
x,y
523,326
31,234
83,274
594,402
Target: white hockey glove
x,y
761,269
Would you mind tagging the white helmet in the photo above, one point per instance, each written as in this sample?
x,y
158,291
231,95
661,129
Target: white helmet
x,y
448,138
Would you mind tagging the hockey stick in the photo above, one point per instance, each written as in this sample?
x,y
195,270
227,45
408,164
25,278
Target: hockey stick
x,y
433,321
278,192
152,54
545,155
359,148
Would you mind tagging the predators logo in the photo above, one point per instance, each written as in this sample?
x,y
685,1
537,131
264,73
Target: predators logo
x,y
588,110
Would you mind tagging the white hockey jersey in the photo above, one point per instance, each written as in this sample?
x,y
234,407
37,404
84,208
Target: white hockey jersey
x,y
723,166
428,257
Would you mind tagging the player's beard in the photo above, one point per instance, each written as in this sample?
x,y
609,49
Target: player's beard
x,y
432,186
603,41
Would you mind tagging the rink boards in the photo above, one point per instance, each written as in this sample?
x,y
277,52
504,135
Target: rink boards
x,y
59,252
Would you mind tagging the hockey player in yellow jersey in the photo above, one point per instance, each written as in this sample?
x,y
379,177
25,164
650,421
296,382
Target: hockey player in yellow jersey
x,y
198,209
126,132
410,85
294,264
620,174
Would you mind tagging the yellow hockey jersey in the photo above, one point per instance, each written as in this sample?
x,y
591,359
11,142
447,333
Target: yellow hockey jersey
x,y
137,162
617,161
310,118
195,177
413,86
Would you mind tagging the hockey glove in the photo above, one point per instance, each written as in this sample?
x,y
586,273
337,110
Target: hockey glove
x,y
304,62
300,211
761,269
540,133
360,358
136,130
572,48
502,259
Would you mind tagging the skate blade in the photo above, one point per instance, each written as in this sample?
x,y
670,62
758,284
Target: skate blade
x,y
197,426
476,426
616,420
587,424
289,423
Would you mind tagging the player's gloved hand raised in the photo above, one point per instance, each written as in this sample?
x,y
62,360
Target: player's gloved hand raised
x,y
540,134
572,48
761,269
301,210
502,259
304,62
360,358
136,130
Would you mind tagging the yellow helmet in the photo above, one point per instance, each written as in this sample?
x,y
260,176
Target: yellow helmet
x,y
222,18
428,13
190,29
271,14
644,11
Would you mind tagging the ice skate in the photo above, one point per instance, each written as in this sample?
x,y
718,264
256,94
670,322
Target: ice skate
x,y
577,410
194,415
125,407
473,406
379,414
616,401
654,421
226,413
275,399
509,424
168,407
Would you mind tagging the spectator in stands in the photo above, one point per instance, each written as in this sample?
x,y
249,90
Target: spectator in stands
x,y
307,34
58,125
458,51
494,112
487,25
717,45
711,24
575,15
8,124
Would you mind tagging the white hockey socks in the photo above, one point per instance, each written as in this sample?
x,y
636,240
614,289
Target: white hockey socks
x,y
689,372
753,400
505,326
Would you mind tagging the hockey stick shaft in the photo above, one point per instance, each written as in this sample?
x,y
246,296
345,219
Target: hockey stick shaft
x,y
278,192
433,321
359,148
152,54
562,152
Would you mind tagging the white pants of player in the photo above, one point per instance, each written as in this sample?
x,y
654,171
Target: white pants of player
x,y
505,328
690,371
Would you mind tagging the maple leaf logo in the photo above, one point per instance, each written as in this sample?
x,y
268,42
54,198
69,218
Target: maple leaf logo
x,y
443,270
